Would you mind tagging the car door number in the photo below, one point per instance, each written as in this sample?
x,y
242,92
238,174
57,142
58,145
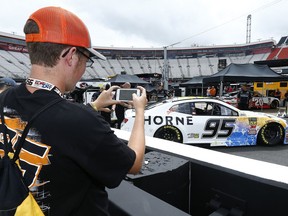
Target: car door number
x,y
220,128
258,101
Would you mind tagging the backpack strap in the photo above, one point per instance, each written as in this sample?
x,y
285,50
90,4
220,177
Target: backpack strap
x,y
27,127
5,146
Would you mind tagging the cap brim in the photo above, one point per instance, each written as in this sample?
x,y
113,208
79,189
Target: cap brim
x,y
95,53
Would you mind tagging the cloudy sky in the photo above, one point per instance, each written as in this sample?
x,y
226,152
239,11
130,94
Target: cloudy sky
x,y
158,23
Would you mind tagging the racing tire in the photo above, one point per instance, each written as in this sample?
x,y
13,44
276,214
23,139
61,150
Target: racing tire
x,y
271,134
274,104
169,132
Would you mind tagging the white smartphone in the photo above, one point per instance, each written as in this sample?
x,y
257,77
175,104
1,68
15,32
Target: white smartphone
x,y
126,94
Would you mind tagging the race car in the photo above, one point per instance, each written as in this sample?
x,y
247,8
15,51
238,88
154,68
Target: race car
x,y
209,121
258,100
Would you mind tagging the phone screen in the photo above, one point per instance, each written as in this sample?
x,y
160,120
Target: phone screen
x,y
126,94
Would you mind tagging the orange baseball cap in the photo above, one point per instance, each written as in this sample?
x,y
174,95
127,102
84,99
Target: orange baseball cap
x,y
57,25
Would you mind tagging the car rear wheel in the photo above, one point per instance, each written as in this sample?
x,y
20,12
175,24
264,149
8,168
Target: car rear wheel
x,y
169,132
274,104
271,134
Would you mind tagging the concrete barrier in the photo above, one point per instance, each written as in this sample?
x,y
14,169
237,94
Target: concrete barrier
x,y
201,181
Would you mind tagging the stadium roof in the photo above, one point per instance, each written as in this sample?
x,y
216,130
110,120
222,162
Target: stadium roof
x,y
273,63
245,73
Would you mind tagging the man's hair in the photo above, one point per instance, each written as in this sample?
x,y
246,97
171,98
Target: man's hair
x,y
44,54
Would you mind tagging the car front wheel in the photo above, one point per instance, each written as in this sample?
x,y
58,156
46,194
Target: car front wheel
x,y
169,132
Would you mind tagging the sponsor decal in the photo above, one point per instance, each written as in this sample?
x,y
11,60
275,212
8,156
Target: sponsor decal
x,y
252,121
193,135
252,126
168,120
252,131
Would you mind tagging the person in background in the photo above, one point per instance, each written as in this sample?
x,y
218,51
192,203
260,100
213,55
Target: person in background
x,y
6,83
208,92
121,108
161,92
285,98
77,94
244,98
277,94
229,89
71,154
213,91
225,90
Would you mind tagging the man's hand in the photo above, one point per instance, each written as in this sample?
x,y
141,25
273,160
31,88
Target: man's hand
x,y
139,102
105,99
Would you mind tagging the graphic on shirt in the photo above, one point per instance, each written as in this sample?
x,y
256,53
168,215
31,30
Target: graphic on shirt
x,y
33,156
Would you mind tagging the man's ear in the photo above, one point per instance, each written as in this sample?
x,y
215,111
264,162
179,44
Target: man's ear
x,y
69,57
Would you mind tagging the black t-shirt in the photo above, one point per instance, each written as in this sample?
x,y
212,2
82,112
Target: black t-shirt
x,y
70,154
120,112
244,97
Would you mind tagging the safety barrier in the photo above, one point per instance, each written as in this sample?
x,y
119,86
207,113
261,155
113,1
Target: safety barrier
x,y
178,179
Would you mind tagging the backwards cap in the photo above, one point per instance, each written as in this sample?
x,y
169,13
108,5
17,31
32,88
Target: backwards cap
x,y
57,25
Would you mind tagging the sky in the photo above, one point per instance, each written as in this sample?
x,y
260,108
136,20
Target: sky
x,y
159,23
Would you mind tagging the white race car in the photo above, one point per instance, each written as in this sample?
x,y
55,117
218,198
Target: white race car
x,y
209,121
258,100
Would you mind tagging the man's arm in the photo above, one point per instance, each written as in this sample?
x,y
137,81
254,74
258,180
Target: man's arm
x,y
137,138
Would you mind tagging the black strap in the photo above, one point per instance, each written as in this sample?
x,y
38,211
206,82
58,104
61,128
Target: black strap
x,y
26,129
3,96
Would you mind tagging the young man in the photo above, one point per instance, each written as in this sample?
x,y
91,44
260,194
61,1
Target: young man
x,y
244,97
277,94
70,154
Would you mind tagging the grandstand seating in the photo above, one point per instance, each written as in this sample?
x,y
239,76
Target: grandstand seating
x,y
17,65
182,63
278,53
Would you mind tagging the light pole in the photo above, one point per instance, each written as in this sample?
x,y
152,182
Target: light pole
x,y
165,73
